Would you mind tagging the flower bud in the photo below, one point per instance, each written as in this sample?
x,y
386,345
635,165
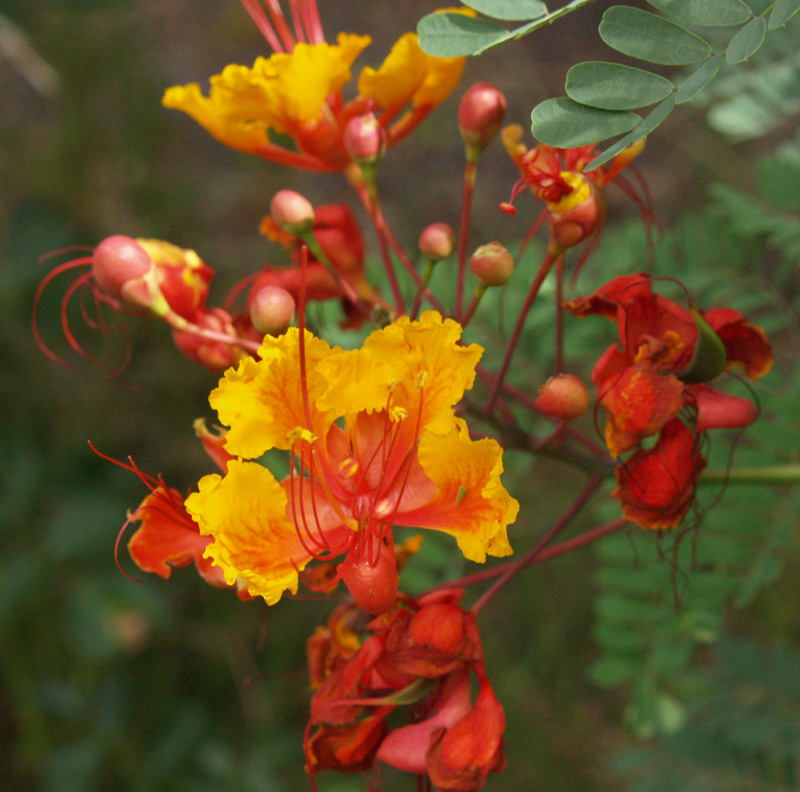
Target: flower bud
x,y
271,310
374,588
481,114
214,355
436,242
117,260
364,139
492,264
564,397
578,214
291,211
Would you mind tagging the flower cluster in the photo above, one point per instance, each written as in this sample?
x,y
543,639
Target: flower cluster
x,y
658,372
417,657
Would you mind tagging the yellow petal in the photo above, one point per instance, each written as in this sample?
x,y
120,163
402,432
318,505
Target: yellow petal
x,y
245,512
282,92
410,75
262,400
421,364
470,502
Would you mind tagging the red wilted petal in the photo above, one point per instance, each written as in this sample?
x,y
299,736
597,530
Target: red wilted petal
x,y
639,403
462,757
718,410
169,537
746,344
346,682
213,444
656,486
605,300
434,641
346,748
407,748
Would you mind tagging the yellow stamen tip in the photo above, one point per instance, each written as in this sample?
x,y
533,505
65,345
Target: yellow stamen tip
x,y
300,434
398,413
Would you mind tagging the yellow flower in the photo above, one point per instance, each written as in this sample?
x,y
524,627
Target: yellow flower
x,y
299,93
374,443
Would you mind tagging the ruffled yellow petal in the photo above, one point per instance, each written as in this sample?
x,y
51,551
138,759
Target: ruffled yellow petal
x,y
282,92
421,364
262,400
470,502
410,75
245,512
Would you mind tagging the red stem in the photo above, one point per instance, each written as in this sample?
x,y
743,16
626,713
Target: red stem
x,y
470,172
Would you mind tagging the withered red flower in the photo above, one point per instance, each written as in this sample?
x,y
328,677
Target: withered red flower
x,y
656,486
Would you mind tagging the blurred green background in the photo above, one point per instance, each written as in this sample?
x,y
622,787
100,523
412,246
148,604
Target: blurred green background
x,y
171,685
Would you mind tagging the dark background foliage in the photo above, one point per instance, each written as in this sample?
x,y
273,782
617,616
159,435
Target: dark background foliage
x,y
171,685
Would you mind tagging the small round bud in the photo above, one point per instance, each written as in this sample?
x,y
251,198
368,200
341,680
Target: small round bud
x,y
271,310
564,397
290,210
364,138
481,114
492,264
118,260
436,242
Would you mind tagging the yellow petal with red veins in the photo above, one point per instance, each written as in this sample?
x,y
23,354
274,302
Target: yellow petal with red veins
x,y
421,364
282,92
245,512
470,502
410,75
262,400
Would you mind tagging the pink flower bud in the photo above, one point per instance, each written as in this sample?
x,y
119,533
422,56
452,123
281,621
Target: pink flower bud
x,y
492,264
564,397
290,210
271,310
436,241
118,260
364,138
481,114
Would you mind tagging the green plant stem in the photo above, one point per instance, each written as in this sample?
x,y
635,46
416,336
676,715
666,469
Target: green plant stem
x,y
767,474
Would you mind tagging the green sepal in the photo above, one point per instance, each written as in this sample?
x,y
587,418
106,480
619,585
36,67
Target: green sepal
x,y
709,358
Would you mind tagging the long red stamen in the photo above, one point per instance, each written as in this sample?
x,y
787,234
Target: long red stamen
x,y
311,21
279,24
262,23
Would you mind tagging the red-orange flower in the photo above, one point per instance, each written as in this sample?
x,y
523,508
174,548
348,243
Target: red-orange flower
x,y
662,362
656,486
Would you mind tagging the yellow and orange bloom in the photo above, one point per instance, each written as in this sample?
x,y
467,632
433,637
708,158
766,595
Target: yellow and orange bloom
x,y
374,443
297,91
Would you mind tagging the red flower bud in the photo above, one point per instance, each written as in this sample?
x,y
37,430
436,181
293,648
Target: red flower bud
x,y
364,139
271,310
116,261
578,214
214,355
373,586
436,241
564,397
481,114
291,211
492,264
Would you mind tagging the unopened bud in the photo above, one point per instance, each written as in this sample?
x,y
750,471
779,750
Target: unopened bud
x,y
118,260
364,139
374,588
271,310
291,211
492,264
436,241
481,114
215,355
564,397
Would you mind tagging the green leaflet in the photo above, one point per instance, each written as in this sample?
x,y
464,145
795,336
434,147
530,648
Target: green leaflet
x,y
456,35
652,38
784,10
614,86
746,41
563,123
698,80
711,13
511,10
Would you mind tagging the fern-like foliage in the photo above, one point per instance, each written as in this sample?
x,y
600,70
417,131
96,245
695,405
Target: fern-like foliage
x,y
742,733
